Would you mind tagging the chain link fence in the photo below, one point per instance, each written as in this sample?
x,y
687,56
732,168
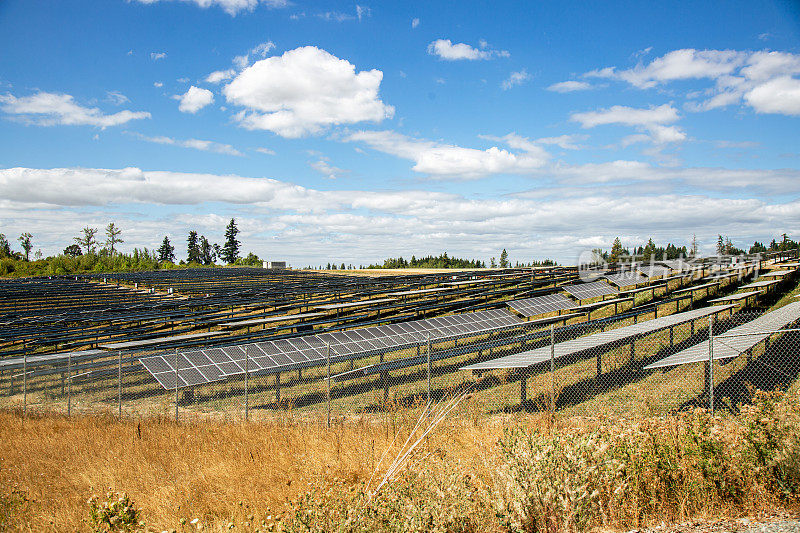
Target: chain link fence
x,y
592,380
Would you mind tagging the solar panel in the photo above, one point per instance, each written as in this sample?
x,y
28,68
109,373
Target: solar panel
x,y
777,273
595,289
595,341
652,271
272,356
758,284
730,345
735,297
345,305
625,279
540,305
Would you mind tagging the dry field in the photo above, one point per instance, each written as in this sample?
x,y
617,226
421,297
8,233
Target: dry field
x,y
502,473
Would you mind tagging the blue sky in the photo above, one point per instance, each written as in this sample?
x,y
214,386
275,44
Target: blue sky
x,y
353,132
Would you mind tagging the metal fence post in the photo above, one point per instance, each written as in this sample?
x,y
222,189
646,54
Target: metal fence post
x,y
328,383
177,375
119,384
429,366
69,384
552,367
711,363
247,383
25,383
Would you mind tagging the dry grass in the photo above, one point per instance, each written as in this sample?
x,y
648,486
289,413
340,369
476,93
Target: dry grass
x,y
471,474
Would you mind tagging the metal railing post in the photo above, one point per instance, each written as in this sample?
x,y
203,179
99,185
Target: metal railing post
x,y
711,363
552,367
69,384
429,366
247,383
177,375
119,384
328,383
25,383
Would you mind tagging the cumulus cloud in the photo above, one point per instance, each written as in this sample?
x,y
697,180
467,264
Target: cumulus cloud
x,y
369,225
220,75
195,144
653,120
155,56
304,91
445,49
50,109
194,99
764,80
414,22
515,78
323,166
232,7
441,160
569,86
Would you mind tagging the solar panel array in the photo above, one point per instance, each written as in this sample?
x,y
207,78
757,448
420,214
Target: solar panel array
x,y
595,289
625,279
595,341
196,367
540,305
730,346
735,297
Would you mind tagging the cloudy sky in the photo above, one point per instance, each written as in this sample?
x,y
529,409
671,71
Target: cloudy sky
x,y
354,132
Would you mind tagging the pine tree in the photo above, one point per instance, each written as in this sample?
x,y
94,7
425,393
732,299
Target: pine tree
x,y
230,252
87,241
207,255
166,252
112,236
694,246
616,250
504,259
193,248
720,245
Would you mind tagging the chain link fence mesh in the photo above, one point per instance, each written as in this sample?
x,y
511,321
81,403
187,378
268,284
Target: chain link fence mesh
x,y
610,380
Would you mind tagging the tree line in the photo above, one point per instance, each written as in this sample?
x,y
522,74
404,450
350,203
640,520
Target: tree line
x,y
88,253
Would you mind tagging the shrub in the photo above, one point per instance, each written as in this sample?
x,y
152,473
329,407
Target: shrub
x,y
116,513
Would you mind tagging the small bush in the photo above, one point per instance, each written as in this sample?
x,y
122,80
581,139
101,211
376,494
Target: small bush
x,y
116,513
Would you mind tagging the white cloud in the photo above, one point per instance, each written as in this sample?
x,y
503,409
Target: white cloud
x,y
220,75
764,80
336,16
116,97
780,95
304,91
155,56
445,49
266,151
194,99
455,162
516,78
677,65
363,11
414,22
232,7
569,86
50,109
195,144
157,84
652,120
279,217
324,167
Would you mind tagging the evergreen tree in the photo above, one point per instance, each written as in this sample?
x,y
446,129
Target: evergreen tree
x,y
26,241
616,250
504,259
694,246
112,236
87,240
166,252
193,248
230,252
5,247
207,255
74,250
720,245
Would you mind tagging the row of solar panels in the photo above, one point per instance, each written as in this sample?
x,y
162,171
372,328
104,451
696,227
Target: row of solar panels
x,y
214,364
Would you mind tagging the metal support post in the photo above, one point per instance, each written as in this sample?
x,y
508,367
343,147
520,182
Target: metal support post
x,y
247,383
119,384
552,367
278,389
429,366
523,388
711,363
177,375
328,383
